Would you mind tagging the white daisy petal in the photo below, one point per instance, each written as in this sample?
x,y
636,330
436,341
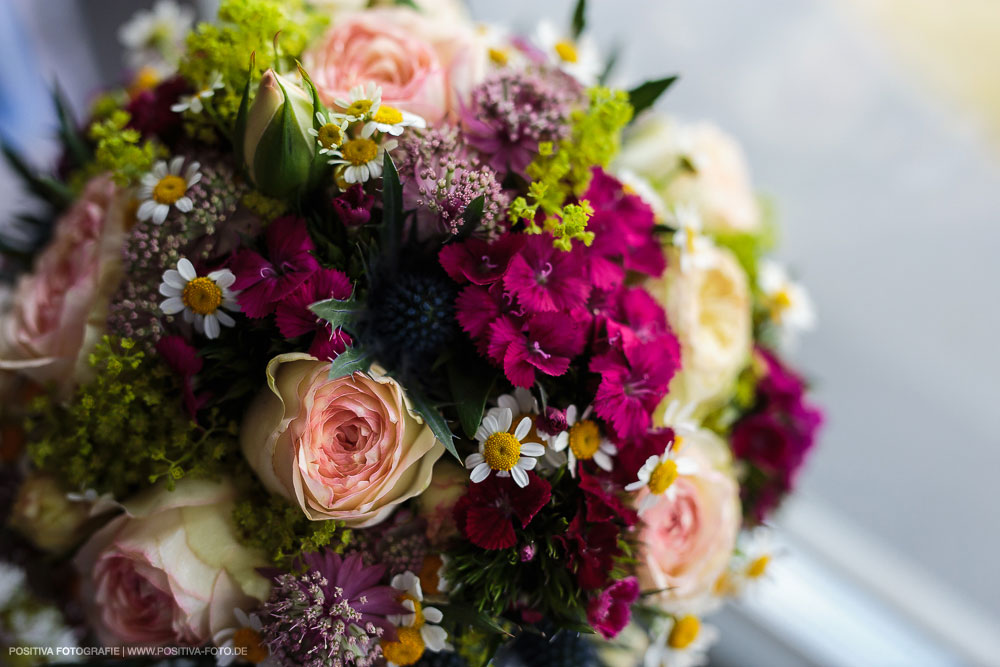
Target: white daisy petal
x,y
480,472
532,449
146,210
224,318
184,204
174,279
433,614
212,327
520,477
223,278
503,420
523,428
527,463
434,637
186,269
169,290
160,213
472,460
172,306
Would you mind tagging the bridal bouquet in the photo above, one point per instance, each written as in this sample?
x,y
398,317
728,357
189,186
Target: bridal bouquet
x,y
365,335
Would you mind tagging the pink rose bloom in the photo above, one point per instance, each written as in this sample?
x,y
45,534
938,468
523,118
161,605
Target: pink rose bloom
x,y
170,571
688,536
59,309
350,449
419,68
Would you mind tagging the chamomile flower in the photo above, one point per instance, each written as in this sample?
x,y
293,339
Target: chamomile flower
x,y
245,641
787,302
689,239
167,186
155,38
362,103
361,158
583,441
500,49
392,121
200,298
659,473
195,103
751,563
501,451
417,631
331,133
682,642
577,57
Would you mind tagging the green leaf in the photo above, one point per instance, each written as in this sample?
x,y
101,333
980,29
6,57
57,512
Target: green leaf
x,y
470,391
338,313
392,208
645,95
579,18
240,127
351,360
433,418
68,132
472,216
47,189
408,3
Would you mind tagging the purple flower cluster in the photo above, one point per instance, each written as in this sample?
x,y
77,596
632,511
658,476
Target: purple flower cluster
x,y
775,437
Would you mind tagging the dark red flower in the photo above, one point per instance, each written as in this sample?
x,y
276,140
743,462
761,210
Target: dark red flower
x,y
610,611
150,110
545,279
478,261
183,360
602,502
546,343
294,318
591,550
354,207
485,515
265,281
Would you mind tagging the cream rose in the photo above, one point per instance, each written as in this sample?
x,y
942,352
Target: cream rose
x,y
719,188
170,570
349,449
709,308
688,536
448,484
59,309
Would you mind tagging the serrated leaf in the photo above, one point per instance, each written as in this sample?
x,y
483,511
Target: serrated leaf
x,y
349,361
338,313
433,418
470,391
471,217
645,95
579,18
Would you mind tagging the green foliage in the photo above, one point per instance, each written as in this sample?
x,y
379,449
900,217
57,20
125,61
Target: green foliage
x,y
283,532
126,428
120,149
645,95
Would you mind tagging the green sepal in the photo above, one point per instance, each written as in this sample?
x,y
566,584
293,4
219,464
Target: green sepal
x,y
433,418
281,167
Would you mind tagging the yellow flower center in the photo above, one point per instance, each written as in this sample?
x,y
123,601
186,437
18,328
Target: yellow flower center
x,y
664,475
690,234
677,443
684,632
723,585
170,188
250,646
780,302
202,296
407,649
359,108
330,136
418,609
145,79
388,115
499,56
584,439
567,51
758,567
502,451
360,151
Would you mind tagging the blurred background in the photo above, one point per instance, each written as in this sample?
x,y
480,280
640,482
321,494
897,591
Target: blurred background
x,y
874,125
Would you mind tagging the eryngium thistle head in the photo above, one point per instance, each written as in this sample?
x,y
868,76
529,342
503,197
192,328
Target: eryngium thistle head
x,y
413,318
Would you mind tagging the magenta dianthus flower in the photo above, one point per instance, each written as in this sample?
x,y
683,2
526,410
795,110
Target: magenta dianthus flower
x,y
266,281
294,318
544,278
478,261
546,343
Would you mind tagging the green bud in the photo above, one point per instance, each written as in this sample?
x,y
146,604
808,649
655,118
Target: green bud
x,y
273,136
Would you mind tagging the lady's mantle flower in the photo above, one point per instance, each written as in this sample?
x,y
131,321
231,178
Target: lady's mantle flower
x,y
165,187
245,641
200,298
502,451
195,102
659,473
417,631
577,57
682,642
584,441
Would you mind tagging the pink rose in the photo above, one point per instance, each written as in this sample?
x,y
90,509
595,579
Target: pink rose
x,y
59,309
419,68
688,536
170,571
349,449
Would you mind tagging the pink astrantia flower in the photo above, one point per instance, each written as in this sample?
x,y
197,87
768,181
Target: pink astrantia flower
x,y
547,279
610,611
547,343
479,262
266,281
294,318
634,379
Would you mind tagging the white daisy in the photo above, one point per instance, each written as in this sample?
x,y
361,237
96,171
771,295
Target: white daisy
x,y
787,302
331,133
166,186
659,473
417,630
500,50
194,103
577,57
390,120
681,642
502,451
244,642
583,441
689,239
362,103
200,298
155,38
362,158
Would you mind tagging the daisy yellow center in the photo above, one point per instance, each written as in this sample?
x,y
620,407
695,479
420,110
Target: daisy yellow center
x,y
145,79
407,649
202,296
663,476
249,645
388,115
758,567
170,188
723,585
689,237
780,302
567,51
684,632
499,56
360,151
502,451
330,136
584,439
418,609
359,108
